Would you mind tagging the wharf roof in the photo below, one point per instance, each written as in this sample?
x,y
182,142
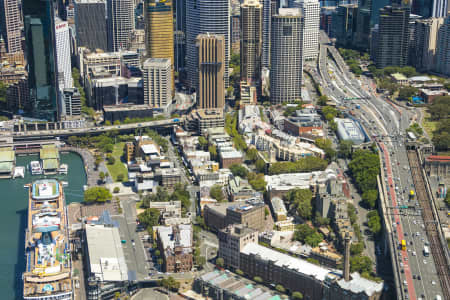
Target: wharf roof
x,y
48,152
6,154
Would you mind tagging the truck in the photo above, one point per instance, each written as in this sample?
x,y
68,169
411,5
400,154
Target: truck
x,y
426,251
176,120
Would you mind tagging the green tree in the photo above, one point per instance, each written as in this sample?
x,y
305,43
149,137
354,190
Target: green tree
x,y
200,261
116,190
120,177
213,152
406,92
3,88
322,101
345,148
327,146
260,166
364,168
307,164
97,194
369,198
116,122
297,296
329,112
111,159
98,160
102,176
252,154
374,222
356,248
239,170
280,288
257,279
149,218
447,199
157,253
301,200
313,261
351,211
360,264
161,194
305,234
202,142
239,272
257,181
220,262
216,193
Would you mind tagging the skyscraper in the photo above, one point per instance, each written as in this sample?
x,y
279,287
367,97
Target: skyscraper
x,y
90,24
443,48
425,42
211,66
393,37
11,24
41,57
311,17
251,41
120,23
344,24
159,23
267,17
286,56
63,54
430,8
180,35
157,80
203,16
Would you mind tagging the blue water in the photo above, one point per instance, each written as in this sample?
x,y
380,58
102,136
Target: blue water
x,y
13,217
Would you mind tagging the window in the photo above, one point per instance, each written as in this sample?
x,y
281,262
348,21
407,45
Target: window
x,y
287,30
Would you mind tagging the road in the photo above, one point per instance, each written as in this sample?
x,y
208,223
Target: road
x,y
389,122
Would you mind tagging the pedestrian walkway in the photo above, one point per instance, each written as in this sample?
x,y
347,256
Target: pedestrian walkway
x,y
89,163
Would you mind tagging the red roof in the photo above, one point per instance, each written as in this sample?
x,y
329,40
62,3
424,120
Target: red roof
x,y
438,158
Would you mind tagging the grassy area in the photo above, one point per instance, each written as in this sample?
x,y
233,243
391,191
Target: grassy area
x,y
429,126
118,167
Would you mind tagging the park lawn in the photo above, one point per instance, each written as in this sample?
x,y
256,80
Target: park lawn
x,y
429,126
118,167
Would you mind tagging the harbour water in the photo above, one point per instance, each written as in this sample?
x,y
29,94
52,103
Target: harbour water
x,y
13,216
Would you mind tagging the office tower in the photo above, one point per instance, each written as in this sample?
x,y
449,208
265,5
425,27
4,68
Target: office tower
x,y
63,54
311,18
206,16
180,35
71,102
393,37
157,80
159,23
430,8
286,56
90,24
251,41
375,11
267,17
443,48
120,23
235,30
11,24
361,35
41,56
425,42
211,66
344,24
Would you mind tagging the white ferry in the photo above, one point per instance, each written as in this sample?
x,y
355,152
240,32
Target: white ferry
x,y
36,168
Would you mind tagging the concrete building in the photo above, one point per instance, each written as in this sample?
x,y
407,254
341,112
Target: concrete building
x,y
430,8
349,130
211,67
70,103
18,95
101,62
235,31
343,24
267,26
286,58
120,23
239,190
116,91
393,37
437,166
311,15
11,24
157,81
201,119
279,209
159,32
175,244
425,43
251,41
7,162
443,48
233,238
90,24
63,54
205,16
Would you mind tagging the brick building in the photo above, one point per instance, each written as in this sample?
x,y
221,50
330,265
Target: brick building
x,y
232,239
175,245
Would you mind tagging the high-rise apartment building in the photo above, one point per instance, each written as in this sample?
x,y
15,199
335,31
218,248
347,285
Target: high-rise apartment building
x,y
430,8
157,81
443,48
251,41
11,24
344,24
63,54
393,37
311,15
267,17
211,70
286,56
180,35
70,103
41,56
159,23
424,47
120,23
206,16
90,24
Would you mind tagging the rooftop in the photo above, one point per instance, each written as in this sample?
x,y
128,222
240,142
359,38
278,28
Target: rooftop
x,y
45,189
6,154
438,158
49,152
169,238
125,107
399,76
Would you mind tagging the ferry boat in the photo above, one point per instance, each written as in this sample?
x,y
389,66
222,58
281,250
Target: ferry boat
x,y
35,168
47,249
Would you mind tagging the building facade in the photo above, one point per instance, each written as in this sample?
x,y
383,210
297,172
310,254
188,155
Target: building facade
x,y
90,24
393,37
205,16
311,15
443,48
120,23
426,33
286,57
231,240
267,21
159,31
18,95
157,81
11,24
211,71
41,56
251,41
63,54
71,103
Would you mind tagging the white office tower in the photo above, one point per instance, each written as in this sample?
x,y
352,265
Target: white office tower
x,y
120,23
443,48
286,56
205,16
311,15
440,9
157,80
267,17
62,39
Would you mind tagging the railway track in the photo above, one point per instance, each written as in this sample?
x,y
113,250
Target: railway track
x,y
429,220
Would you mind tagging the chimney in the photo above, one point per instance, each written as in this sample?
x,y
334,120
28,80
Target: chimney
x,y
347,257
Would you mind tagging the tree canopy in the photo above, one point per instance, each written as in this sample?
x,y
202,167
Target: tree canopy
x,y
301,199
149,218
216,193
364,168
97,194
239,170
305,234
307,164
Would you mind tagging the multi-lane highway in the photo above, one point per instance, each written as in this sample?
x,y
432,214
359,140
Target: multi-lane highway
x,y
417,271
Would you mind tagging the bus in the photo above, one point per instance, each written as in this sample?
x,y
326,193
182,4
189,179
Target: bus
x,y
403,244
426,251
